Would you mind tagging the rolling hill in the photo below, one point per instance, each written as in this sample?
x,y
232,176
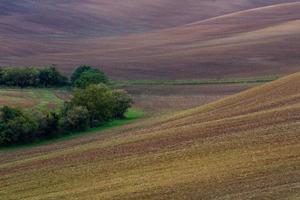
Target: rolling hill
x,y
107,18
159,39
245,146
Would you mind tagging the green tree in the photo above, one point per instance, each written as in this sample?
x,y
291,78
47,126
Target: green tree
x,y
90,77
78,71
86,75
21,129
49,125
123,102
21,77
77,119
16,127
2,71
28,76
7,113
98,100
50,76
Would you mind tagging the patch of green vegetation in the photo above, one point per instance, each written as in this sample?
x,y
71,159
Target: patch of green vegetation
x,y
48,97
32,77
261,79
130,116
30,98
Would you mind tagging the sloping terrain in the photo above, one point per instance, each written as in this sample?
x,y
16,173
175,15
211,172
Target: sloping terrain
x,y
255,42
245,146
161,99
115,17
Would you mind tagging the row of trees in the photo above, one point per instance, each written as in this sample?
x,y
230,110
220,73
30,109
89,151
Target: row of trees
x,y
32,77
89,107
50,76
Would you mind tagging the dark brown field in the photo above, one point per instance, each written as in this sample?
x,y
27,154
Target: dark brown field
x,y
159,39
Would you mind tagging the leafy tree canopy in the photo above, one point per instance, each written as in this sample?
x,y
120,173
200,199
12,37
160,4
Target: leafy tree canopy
x,y
86,75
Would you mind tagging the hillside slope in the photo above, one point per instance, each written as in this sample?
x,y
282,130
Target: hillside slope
x,y
242,147
261,41
106,18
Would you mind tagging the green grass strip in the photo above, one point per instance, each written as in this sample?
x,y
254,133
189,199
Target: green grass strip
x,y
261,79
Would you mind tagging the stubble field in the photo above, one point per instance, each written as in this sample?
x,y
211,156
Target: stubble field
x,y
244,146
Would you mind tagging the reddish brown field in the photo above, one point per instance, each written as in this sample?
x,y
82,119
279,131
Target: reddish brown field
x,y
159,99
105,18
199,40
228,144
244,146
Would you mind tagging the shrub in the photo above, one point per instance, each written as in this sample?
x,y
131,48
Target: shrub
x,y
123,101
16,127
90,77
77,119
28,76
98,100
21,77
50,76
78,71
49,125
21,129
8,113
1,76
86,75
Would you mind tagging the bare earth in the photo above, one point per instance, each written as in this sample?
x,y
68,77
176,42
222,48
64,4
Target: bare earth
x,y
245,146
149,40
